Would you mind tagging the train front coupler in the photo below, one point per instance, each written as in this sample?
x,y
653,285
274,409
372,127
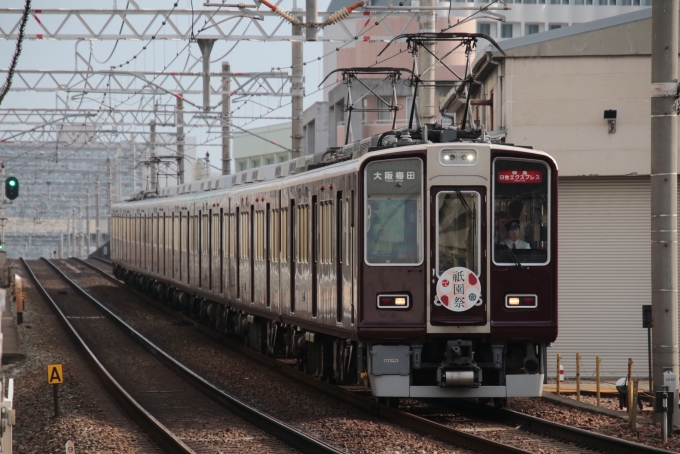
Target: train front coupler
x,y
459,368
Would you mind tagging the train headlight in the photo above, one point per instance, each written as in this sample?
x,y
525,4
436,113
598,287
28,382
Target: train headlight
x,y
521,301
393,302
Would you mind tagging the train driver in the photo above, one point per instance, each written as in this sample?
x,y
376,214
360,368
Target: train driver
x,y
512,239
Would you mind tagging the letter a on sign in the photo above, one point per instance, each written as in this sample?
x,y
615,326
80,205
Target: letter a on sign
x,y
54,374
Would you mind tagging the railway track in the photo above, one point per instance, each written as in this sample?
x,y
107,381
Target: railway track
x,y
542,435
181,412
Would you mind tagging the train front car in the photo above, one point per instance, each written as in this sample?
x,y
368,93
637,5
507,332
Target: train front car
x,y
458,277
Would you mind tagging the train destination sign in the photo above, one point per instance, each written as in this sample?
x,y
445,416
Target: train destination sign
x,y
520,176
459,289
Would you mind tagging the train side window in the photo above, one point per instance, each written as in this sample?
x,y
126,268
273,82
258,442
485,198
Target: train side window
x,y
284,235
232,235
259,238
244,231
274,235
394,213
521,212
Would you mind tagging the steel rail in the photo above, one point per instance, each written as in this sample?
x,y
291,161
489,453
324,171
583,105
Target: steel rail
x,y
409,420
269,424
98,258
559,431
531,423
159,433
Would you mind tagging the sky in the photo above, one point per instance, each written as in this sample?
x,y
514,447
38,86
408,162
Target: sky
x,y
244,57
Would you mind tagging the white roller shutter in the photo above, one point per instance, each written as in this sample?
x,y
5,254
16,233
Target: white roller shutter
x,y
604,275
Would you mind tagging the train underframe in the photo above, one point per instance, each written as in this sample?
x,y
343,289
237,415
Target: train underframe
x,y
442,367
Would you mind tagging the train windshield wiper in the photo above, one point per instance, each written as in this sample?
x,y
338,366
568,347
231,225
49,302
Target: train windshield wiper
x,y
512,254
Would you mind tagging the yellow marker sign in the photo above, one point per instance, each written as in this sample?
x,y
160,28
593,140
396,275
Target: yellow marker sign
x,y
54,374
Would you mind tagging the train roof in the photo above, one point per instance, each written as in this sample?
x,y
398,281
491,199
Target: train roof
x,y
329,163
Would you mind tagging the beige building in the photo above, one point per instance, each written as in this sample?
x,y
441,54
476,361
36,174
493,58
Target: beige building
x,y
262,146
551,92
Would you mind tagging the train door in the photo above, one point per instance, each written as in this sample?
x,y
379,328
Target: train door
x,y
340,239
458,220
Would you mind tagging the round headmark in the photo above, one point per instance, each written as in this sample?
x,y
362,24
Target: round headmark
x,y
459,289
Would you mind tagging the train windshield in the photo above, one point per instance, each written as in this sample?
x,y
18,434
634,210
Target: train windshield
x,y
458,240
394,212
521,212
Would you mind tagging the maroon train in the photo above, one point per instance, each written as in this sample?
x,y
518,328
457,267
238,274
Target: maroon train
x,y
430,268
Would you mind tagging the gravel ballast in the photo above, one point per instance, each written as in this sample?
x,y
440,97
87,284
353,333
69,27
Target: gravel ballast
x,y
87,417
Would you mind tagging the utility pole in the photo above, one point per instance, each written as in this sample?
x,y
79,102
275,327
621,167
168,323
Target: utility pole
x,y
61,246
206,46
87,226
226,118
152,158
426,67
298,90
664,178
179,121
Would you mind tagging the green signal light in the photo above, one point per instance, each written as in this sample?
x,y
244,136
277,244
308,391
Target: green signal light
x,y
12,182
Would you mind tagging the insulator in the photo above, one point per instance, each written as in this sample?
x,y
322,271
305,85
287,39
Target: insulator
x,y
286,15
336,17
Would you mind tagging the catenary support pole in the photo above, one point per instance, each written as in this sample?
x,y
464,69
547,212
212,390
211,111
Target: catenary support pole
x,y
664,181
298,90
134,165
3,220
226,118
179,121
68,237
97,211
426,67
312,10
87,224
152,158
206,46
74,229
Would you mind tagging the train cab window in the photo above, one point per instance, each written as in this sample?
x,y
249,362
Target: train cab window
x,y
521,212
394,212
458,224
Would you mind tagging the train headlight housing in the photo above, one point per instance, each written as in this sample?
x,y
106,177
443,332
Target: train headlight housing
x,y
394,302
451,157
521,301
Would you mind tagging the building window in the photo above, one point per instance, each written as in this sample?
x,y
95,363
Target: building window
x,y
530,2
484,28
612,2
407,107
384,113
506,30
556,26
531,29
